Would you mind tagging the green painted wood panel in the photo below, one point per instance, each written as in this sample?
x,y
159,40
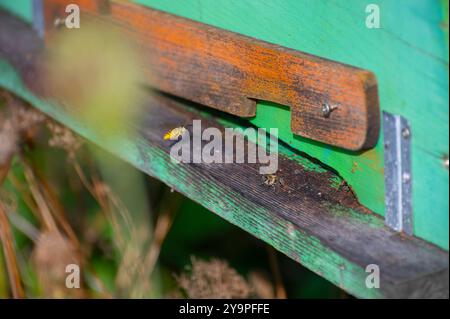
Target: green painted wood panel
x,y
21,8
408,54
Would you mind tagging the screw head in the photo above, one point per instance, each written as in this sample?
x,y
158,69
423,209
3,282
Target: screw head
x,y
327,109
406,177
406,133
445,161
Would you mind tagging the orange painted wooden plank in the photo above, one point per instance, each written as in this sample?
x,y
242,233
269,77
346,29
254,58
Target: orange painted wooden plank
x,y
229,72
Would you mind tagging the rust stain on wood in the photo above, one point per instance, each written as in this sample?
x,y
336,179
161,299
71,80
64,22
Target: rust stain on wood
x,y
229,72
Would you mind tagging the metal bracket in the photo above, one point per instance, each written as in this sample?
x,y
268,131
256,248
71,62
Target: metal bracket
x,y
397,173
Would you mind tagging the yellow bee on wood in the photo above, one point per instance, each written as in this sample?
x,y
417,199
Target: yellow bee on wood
x,y
175,133
272,180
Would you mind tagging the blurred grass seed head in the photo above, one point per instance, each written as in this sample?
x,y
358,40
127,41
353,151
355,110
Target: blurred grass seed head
x,y
95,71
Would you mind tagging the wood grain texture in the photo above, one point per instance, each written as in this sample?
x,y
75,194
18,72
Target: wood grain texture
x,y
229,72
317,223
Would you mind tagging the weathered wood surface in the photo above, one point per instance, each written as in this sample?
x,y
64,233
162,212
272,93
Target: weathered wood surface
x,y
314,220
229,72
411,64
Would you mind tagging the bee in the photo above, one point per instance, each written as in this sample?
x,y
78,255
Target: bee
x,y
175,133
272,180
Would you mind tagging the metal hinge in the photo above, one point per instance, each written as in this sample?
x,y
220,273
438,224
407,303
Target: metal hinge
x,y
397,173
